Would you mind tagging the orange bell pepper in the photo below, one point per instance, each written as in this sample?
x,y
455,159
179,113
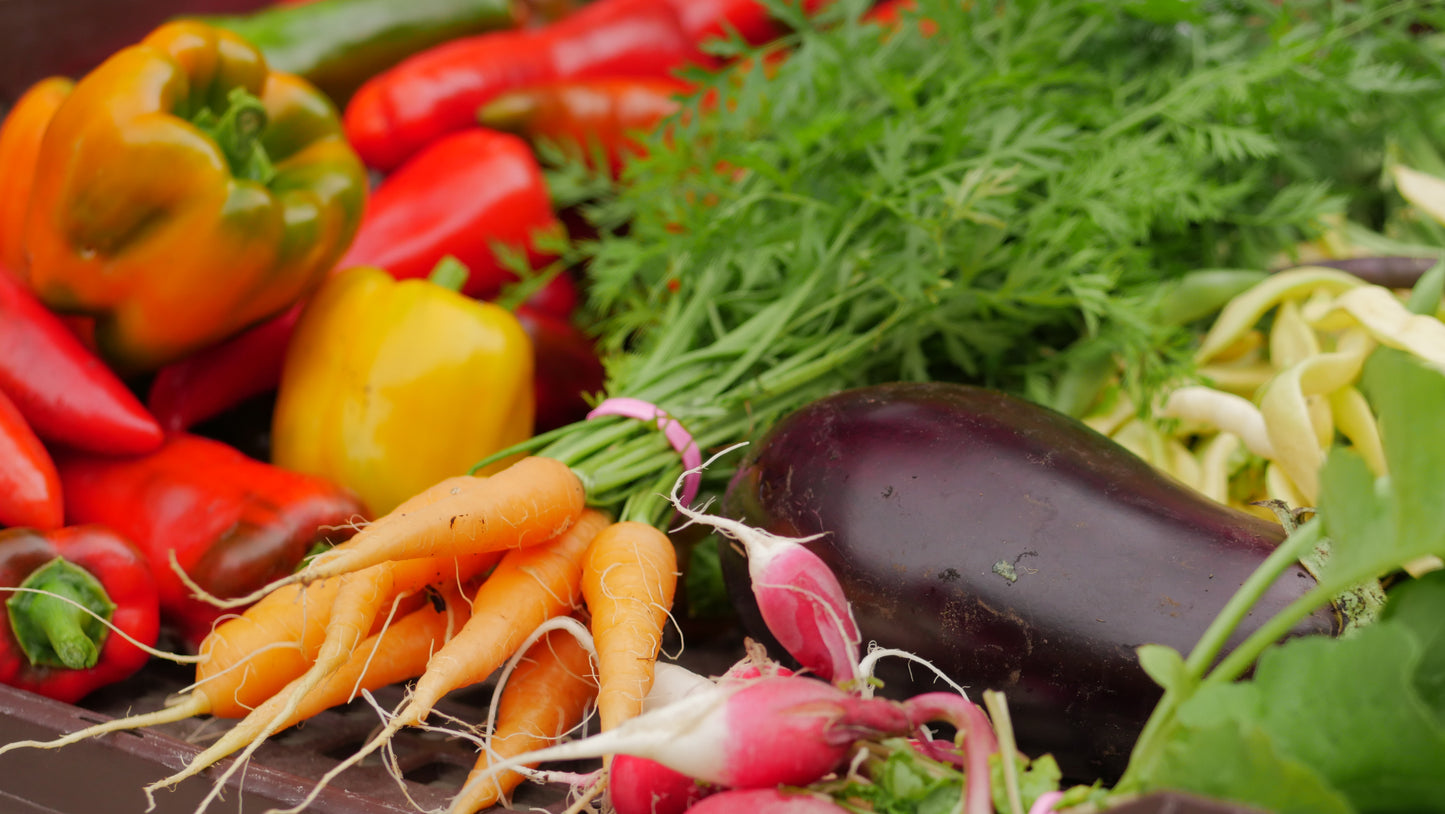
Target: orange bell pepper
x,y
183,191
20,138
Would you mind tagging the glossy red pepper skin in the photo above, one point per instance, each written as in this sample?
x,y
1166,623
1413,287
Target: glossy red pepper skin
x,y
66,393
565,370
395,114
29,485
456,197
212,381
232,522
586,116
120,568
705,20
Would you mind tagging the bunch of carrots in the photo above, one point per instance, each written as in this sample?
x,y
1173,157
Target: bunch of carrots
x,y
446,589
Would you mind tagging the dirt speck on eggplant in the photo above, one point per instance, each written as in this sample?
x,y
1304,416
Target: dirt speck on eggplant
x,y
1010,545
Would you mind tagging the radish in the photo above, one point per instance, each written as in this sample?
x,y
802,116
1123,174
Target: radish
x,y
638,785
778,730
766,801
797,594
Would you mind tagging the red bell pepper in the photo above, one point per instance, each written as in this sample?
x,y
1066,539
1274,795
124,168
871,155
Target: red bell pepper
x,y
49,646
64,390
29,485
585,116
231,522
458,196
436,92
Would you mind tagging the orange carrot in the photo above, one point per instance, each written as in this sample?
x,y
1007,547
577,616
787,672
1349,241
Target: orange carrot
x,y
629,580
546,696
395,653
259,637
529,586
529,502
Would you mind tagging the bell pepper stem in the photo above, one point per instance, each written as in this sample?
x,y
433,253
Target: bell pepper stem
x,y
50,619
237,131
449,273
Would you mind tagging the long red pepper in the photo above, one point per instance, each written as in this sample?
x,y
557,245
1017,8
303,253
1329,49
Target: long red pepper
x,y
48,645
705,20
584,116
233,523
438,91
458,196
29,486
66,393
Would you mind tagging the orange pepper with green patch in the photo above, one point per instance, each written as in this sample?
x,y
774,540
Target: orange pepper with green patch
x,y
183,191
390,386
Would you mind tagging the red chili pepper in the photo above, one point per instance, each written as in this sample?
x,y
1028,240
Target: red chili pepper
x,y
210,382
64,390
436,92
49,646
585,116
29,485
704,20
889,14
233,523
565,369
457,197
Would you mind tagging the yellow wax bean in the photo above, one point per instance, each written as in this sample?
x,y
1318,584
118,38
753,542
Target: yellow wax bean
x,y
1241,314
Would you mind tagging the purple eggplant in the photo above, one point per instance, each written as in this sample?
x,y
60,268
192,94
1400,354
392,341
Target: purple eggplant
x,y
1010,545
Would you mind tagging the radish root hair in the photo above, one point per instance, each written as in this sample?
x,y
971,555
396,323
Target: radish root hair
x,y
755,539
876,653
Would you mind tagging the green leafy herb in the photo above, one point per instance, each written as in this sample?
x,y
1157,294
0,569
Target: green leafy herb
x,y
997,202
1348,724
1342,719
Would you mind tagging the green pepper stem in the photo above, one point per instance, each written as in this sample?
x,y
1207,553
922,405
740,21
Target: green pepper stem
x,y
54,619
449,273
237,131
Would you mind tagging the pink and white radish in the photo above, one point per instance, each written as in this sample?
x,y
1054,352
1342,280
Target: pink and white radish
x,y
767,801
797,594
639,785
782,730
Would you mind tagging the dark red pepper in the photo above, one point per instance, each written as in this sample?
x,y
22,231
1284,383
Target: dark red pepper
x,y
52,648
458,196
29,486
233,523
397,113
566,368
585,116
64,390
208,383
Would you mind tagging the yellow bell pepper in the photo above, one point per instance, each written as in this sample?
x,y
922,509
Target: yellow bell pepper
x,y
390,386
